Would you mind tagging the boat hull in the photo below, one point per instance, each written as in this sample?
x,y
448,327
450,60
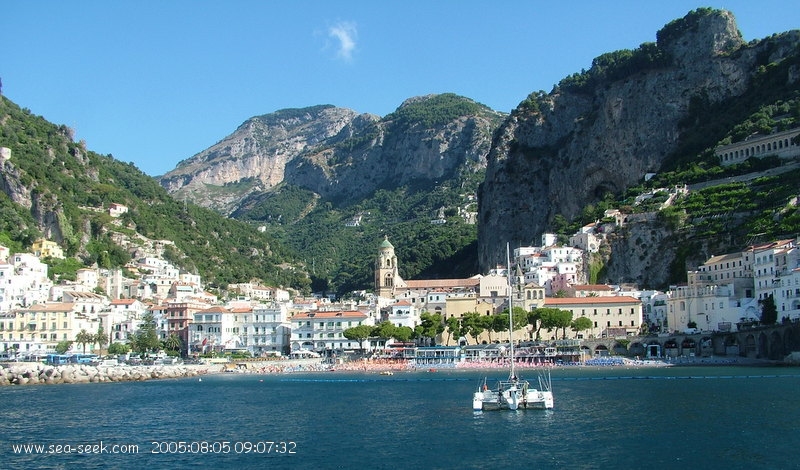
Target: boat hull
x,y
512,398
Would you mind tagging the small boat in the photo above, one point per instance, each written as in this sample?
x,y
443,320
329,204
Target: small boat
x,y
387,372
513,393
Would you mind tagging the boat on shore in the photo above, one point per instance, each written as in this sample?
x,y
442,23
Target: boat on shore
x,y
513,393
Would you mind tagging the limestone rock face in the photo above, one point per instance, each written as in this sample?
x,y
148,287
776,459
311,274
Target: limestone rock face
x,y
256,154
333,152
577,144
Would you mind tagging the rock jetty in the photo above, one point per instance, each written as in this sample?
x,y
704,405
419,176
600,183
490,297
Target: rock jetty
x,y
35,373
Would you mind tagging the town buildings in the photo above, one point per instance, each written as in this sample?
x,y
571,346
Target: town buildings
x,y
37,313
729,290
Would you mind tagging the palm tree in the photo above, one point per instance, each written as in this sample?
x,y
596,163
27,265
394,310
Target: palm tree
x,y
83,338
100,337
173,342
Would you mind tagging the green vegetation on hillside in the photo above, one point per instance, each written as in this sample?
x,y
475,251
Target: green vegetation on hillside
x,y
340,258
614,66
435,111
77,185
678,27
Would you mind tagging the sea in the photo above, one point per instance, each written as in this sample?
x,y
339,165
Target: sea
x,y
604,418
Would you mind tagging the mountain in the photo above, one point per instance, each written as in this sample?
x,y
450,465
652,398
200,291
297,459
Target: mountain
x,y
54,187
316,189
337,153
661,107
328,182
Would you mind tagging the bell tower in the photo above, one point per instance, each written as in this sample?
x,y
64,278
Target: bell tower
x,y
386,273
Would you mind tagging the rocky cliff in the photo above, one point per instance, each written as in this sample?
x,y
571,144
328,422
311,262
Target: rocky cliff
x,y
338,153
601,131
253,159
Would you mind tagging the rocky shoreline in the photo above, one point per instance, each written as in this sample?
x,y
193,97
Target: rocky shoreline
x,y
36,373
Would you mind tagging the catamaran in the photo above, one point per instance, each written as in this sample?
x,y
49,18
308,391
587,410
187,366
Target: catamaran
x,y
513,393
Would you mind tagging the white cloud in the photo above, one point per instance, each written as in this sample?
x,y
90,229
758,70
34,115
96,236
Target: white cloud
x,y
345,33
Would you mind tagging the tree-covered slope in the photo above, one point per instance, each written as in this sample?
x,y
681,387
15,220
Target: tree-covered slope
x,y
56,188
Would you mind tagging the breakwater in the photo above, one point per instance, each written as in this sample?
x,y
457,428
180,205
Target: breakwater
x,y
36,373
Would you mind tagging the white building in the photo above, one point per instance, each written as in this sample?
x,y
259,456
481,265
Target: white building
x,y
122,319
89,278
550,266
267,331
402,313
323,331
23,282
216,329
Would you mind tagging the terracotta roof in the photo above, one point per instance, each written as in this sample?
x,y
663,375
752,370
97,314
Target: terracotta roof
x,y
622,299
338,314
442,283
215,309
50,307
597,287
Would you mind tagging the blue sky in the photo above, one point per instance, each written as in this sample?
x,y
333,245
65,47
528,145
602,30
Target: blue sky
x,y
154,82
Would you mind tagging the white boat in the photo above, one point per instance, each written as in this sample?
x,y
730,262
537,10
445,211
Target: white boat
x,y
514,393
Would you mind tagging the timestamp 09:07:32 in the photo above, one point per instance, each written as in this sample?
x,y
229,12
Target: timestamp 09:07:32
x,y
223,447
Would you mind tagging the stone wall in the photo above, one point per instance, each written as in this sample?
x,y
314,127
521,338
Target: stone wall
x,y
36,373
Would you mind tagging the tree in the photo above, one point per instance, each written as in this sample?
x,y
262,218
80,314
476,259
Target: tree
x,y
534,319
358,333
83,338
520,318
403,333
472,324
173,342
769,311
581,324
555,318
384,330
118,348
499,323
145,339
63,346
454,328
431,326
100,337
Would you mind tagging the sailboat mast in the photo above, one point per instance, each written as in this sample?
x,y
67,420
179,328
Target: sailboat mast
x,y
510,308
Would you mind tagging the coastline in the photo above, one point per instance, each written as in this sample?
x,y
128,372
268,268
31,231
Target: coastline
x,y
41,374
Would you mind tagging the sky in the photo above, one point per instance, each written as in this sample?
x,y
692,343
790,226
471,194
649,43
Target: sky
x,y
154,82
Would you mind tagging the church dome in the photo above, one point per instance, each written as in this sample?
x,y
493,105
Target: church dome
x,y
385,243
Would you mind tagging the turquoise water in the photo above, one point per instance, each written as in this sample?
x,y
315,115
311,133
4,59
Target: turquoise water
x,y
713,417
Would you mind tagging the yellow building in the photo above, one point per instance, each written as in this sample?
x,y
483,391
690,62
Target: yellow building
x,y
46,249
611,316
41,327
